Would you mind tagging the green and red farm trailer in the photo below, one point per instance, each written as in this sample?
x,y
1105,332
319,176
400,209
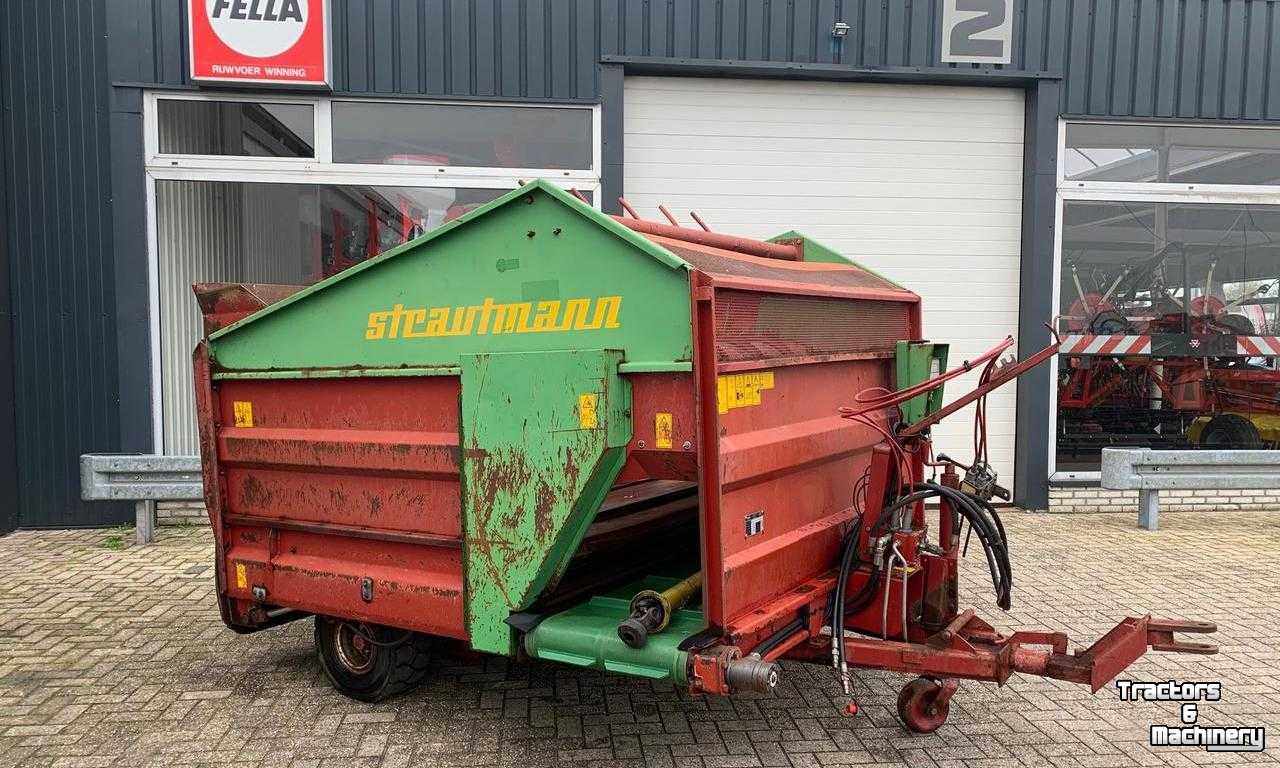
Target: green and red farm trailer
x,y
545,432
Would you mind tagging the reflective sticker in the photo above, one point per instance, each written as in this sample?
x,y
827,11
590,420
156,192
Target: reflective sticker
x,y
242,581
587,410
243,413
740,390
662,430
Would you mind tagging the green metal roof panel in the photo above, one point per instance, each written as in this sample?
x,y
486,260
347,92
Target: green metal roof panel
x,y
535,269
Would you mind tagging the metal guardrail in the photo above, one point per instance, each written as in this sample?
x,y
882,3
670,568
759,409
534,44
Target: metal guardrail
x,y
1149,471
141,479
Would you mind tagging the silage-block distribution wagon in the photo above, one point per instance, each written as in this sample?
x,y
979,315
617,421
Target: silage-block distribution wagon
x,y
538,423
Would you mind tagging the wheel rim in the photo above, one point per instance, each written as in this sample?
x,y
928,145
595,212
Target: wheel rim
x,y
354,648
919,708
1216,438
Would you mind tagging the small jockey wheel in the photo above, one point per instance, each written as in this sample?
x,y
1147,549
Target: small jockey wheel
x,y
924,703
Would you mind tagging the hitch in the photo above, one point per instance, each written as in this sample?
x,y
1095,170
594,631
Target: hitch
x,y
970,648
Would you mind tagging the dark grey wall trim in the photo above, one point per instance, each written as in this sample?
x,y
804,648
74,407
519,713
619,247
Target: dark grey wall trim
x,y
311,93
1035,293
133,334
8,423
795,70
610,77
1217,122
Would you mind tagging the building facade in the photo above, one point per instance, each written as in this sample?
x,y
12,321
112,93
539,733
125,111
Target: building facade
x,y
1110,167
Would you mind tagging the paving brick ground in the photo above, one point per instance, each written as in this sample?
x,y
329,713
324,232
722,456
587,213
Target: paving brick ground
x,y
116,656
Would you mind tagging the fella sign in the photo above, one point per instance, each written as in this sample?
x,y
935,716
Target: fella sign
x,y
282,42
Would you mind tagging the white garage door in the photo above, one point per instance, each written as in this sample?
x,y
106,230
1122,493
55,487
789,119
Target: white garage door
x,y
920,183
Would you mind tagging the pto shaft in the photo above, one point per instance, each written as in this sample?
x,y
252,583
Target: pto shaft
x,y
651,611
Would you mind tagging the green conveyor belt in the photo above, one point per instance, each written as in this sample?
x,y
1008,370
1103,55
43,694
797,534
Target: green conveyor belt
x,y
587,636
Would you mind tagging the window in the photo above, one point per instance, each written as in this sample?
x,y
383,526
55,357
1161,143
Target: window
x,y
189,127
1168,298
1171,154
293,189
461,135
290,234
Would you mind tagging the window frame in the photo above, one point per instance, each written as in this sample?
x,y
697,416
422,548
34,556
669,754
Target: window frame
x,y
1069,190
292,169
319,171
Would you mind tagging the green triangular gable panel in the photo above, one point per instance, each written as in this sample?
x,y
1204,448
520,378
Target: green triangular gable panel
x,y
535,269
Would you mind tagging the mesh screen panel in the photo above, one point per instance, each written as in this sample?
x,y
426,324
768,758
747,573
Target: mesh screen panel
x,y
766,326
845,276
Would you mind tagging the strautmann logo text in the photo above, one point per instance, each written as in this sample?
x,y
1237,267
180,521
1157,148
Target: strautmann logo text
x,y
491,317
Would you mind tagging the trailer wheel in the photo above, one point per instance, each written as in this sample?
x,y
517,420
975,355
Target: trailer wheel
x,y
922,706
1229,430
370,662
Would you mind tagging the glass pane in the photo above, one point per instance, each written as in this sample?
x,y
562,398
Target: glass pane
x,y
292,234
1176,154
461,135
236,128
1164,293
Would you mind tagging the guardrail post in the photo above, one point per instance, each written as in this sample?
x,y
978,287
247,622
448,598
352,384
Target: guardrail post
x,y
146,522
1149,508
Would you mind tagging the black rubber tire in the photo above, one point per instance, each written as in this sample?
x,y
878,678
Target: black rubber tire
x,y
395,662
1111,323
1238,324
1229,430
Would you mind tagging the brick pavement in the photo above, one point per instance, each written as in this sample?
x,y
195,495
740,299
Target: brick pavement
x,y
117,657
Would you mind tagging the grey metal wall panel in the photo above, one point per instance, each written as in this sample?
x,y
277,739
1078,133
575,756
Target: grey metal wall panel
x,y
77,256
8,431
1163,58
58,236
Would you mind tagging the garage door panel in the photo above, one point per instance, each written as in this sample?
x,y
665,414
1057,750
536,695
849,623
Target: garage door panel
x,y
747,129
802,95
827,122
848,175
663,164
770,206
920,183
940,146
886,188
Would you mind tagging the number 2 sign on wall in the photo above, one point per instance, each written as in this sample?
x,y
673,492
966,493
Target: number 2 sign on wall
x,y
977,31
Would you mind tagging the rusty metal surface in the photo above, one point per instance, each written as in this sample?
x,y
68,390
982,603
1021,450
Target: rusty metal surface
x,y
746,245
780,328
316,486
722,263
224,303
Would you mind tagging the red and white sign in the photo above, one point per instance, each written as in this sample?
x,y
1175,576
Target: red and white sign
x,y
1258,346
259,41
1105,345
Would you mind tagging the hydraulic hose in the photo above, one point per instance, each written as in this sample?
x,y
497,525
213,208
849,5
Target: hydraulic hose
x,y
985,521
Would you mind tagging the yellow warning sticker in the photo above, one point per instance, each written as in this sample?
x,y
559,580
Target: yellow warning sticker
x,y
243,412
662,430
740,390
587,417
242,580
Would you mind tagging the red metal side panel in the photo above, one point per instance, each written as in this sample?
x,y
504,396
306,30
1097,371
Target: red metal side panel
x,y
778,463
790,462
333,488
